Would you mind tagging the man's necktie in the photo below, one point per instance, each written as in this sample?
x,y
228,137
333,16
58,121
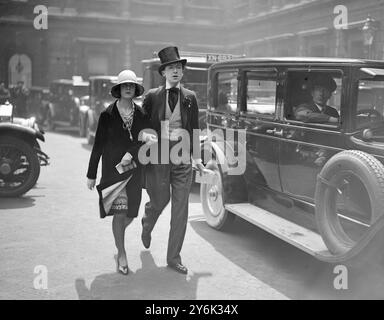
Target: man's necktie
x,y
173,96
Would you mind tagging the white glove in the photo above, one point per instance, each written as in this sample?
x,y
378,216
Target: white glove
x,y
149,138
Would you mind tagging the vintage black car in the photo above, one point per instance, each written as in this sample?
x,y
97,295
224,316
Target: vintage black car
x,y
20,153
64,102
38,102
308,173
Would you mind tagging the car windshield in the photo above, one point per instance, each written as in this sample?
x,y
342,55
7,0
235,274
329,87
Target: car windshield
x,y
80,91
370,104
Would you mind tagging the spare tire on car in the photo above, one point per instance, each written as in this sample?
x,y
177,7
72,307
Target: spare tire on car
x,y
348,170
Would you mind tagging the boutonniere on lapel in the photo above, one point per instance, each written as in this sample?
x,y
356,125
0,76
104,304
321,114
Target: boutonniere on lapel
x,y
187,102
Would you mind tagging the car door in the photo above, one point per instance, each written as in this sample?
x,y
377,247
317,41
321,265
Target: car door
x,y
259,105
306,146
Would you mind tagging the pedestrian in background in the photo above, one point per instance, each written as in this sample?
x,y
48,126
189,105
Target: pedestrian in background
x,y
116,141
4,93
19,96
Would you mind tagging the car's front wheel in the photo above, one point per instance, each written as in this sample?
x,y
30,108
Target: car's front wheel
x,y
19,166
212,199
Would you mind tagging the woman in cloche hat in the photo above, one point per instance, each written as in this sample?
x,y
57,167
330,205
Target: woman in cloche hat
x,y
117,143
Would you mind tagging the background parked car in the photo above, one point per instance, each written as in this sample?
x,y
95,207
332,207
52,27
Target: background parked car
x,y
99,98
38,102
64,101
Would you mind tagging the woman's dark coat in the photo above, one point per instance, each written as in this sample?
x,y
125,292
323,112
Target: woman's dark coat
x,y
111,144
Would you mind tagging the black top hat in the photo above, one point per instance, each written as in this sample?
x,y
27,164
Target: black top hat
x,y
169,56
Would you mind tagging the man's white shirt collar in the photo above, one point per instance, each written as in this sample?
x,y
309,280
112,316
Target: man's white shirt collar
x,y
168,85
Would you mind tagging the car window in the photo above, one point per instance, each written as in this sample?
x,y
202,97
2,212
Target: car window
x,y
196,79
226,93
313,97
261,93
370,103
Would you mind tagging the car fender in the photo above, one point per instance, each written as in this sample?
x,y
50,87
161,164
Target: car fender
x,y
216,150
26,133
234,186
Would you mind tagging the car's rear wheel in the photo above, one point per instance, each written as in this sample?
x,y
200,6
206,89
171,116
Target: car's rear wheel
x,y
349,199
212,199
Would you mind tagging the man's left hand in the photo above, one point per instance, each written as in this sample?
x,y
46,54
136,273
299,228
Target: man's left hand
x,y
201,168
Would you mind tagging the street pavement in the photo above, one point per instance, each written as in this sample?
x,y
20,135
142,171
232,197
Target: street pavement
x,y
57,226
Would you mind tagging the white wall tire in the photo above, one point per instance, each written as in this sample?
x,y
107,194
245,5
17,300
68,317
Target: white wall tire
x,y
212,200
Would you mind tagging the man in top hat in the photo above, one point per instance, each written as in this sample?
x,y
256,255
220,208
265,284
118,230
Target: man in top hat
x,y
317,111
170,108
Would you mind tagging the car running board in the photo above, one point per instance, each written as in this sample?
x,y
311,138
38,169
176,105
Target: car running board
x,y
298,236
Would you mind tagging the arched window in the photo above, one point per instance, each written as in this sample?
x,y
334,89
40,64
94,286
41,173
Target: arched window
x,y
20,68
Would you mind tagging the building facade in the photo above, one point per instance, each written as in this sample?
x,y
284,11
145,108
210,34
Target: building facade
x,y
93,37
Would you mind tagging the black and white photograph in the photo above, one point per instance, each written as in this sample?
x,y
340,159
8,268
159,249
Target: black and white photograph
x,y
199,153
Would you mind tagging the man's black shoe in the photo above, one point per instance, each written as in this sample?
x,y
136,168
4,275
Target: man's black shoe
x,y
178,267
145,237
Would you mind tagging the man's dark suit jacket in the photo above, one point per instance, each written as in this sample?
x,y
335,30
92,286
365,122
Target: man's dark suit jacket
x,y
154,106
309,112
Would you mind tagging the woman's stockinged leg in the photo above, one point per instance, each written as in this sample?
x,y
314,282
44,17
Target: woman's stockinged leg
x,y
119,225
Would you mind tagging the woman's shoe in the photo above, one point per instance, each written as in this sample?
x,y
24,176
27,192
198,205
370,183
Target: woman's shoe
x,y
124,270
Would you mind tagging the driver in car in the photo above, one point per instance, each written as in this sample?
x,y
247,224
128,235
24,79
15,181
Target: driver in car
x,y
317,111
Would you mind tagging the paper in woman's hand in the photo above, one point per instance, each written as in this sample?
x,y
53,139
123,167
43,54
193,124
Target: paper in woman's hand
x,y
124,168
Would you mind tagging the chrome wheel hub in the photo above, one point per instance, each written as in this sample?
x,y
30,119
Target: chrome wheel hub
x,y
213,193
5,168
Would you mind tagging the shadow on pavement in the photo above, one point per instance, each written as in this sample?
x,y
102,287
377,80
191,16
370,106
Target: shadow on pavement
x,y
287,269
148,283
17,203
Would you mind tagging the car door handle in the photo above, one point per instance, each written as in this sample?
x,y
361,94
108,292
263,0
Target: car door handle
x,y
276,132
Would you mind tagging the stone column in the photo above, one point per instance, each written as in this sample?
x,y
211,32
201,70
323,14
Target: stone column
x,y
301,45
126,8
127,52
340,48
253,7
178,10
